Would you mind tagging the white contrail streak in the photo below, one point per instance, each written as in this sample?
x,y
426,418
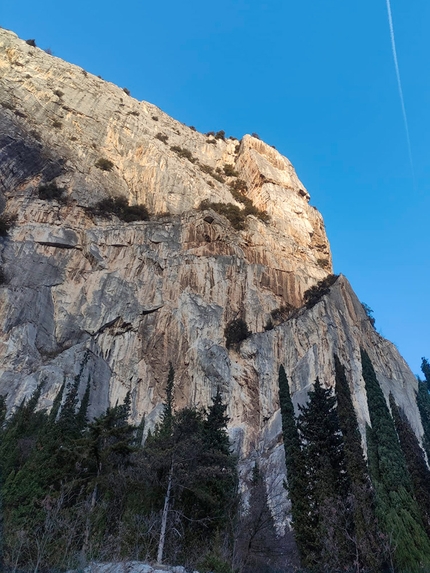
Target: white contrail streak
x,y
399,84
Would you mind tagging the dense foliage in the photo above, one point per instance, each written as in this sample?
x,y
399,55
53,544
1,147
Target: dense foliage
x,y
119,207
315,293
349,515
76,490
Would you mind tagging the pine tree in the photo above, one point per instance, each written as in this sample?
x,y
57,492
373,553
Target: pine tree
x,y
328,482
425,367
215,426
191,473
396,508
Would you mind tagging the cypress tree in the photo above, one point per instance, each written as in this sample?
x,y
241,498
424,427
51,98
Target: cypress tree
x,y
415,460
304,526
396,508
423,402
360,504
81,416
56,404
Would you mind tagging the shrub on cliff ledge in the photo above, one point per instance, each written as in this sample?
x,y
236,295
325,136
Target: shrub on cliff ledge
x,y
236,331
182,152
6,223
104,164
119,206
50,192
316,292
232,212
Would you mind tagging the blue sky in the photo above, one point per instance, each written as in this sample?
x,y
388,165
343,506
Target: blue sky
x,y
314,78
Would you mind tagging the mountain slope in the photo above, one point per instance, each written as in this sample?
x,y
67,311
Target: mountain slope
x,y
118,301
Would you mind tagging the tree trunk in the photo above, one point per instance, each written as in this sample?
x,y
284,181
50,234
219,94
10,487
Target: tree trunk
x,y
86,542
164,517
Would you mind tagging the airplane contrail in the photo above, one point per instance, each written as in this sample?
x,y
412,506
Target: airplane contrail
x,y
399,85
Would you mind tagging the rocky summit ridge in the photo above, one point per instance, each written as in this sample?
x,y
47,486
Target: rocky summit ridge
x,y
115,302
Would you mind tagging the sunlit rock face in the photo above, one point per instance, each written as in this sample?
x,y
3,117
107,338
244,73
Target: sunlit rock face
x,y
114,303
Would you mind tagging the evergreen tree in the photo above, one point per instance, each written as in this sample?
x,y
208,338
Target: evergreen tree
x,y
21,429
215,426
359,506
3,411
191,473
304,526
328,482
423,402
425,367
396,508
81,416
415,460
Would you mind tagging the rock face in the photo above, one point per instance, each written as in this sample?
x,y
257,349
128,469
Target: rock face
x,y
115,302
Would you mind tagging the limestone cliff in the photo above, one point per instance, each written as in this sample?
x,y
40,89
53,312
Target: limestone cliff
x,y
117,301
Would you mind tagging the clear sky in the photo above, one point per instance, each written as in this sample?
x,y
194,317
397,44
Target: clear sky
x,y
314,78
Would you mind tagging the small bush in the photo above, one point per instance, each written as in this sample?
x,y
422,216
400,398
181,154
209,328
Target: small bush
x,y
316,292
206,168
50,192
57,124
237,148
239,185
235,331
119,206
230,171
182,152
255,135
58,93
126,91
235,215
220,135
155,118
213,563
218,177
323,263
6,224
193,128
104,164
250,208
209,133
369,313
162,137
31,43
282,313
